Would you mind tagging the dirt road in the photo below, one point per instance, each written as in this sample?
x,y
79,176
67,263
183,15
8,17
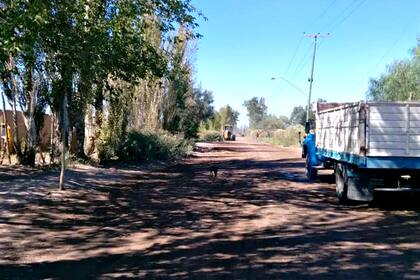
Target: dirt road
x,y
259,219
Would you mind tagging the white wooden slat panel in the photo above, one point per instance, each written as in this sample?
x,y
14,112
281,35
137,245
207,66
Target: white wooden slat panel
x,y
387,145
386,152
414,153
395,109
393,124
415,124
414,138
414,145
388,138
387,131
388,116
415,109
393,131
388,124
339,130
393,153
414,117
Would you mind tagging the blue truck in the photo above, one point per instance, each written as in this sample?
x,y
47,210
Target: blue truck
x,y
370,146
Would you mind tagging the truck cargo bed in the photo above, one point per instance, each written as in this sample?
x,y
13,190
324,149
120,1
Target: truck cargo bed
x,y
370,134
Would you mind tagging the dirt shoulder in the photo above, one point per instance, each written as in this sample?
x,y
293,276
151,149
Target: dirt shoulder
x,y
258,219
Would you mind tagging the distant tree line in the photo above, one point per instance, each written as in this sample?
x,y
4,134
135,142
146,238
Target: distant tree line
x,y
260,119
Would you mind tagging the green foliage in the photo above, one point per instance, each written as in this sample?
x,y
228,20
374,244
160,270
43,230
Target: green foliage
x,y
160,145
227,115
298,116
126,63
209,136
272,122
257,110
400,82
288,137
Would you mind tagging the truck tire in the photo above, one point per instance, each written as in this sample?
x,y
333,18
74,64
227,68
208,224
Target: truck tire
x,y
311,172
233,137
341,186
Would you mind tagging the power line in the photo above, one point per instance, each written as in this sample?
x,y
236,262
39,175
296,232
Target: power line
x,y
337,21
304,60
294,55
392,46
339,16
324,12
301,63
351,8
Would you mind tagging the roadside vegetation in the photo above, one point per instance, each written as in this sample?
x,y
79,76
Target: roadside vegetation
x,y
210,136
277,130
400,81
211,129
287,137
116,78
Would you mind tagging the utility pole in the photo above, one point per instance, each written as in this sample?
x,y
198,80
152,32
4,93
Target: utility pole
x,y
311,79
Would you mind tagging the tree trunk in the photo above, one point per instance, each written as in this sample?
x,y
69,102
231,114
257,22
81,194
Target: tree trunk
x,y
29,153
16,144
6,139
52,140
64,127
80,134
98,119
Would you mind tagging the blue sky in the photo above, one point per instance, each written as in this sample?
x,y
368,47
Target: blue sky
x,y
245,42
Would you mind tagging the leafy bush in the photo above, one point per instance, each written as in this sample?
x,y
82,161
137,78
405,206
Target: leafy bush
x,y
209,136
148,145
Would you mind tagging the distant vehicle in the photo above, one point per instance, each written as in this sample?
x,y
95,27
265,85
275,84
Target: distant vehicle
x,y
228,133
372,146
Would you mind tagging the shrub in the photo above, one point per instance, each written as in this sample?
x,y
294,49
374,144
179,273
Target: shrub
x,y
288,137
209,136
148,145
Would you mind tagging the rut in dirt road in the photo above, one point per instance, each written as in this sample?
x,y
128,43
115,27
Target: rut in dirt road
x,y
258,219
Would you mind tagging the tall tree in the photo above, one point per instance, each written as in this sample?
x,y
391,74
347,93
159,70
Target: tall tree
x,y
400,82
298,115
257,110
22,67
272,122
228,115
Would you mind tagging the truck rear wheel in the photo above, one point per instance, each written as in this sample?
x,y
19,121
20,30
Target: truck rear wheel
x,y
341,186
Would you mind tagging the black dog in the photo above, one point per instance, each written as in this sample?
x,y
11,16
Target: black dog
x,y
213,171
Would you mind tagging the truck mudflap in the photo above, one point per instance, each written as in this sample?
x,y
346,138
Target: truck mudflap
x,y
359,186
352,184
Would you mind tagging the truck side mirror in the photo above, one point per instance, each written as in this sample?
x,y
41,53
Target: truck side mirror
x,y
307,127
